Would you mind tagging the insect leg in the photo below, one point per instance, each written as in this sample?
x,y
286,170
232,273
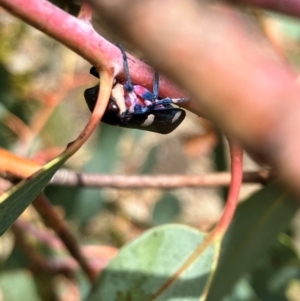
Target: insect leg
x,y
155,85
167,100
128,86
179,100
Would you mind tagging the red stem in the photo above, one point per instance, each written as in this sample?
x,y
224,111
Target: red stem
x,y
236,155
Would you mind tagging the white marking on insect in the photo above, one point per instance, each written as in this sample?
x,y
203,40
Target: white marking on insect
x,y
179,100
118,95
149,120
177,115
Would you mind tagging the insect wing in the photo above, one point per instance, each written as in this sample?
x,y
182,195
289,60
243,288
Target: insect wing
x,y
166,120
161,121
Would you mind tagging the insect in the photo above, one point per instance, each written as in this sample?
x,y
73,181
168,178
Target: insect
x,y
133,106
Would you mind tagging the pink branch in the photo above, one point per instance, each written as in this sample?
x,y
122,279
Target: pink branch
x,y
76,34
235,76
79,36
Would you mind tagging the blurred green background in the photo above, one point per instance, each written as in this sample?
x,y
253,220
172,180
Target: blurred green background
x,y
42,109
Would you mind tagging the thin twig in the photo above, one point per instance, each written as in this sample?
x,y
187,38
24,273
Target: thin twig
x,y
53,220
69,178
98,256
38,262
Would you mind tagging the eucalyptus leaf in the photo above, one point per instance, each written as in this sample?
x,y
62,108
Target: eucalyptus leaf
x,y
143,268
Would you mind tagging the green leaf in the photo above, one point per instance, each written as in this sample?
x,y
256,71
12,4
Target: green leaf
x,y
16,286
253,231
272,278
144,266
17,199
166,210
242,291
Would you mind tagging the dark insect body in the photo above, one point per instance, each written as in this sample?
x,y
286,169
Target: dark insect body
x,y
133,106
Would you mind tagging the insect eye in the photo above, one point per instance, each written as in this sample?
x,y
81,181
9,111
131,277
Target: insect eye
x,y
112,108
